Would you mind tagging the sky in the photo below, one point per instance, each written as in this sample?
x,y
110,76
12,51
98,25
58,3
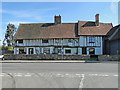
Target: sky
x,y
43,12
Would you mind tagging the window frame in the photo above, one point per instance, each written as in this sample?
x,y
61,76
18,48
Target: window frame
x,y
70,40
20,41
43,41
91,39
67,52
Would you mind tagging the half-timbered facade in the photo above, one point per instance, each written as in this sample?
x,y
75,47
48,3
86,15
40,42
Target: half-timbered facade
x,y
83,37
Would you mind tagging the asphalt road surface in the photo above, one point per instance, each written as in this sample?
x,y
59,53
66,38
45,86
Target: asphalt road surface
x,y
59,75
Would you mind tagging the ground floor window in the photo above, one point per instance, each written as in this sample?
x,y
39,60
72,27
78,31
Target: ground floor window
x,y
47,50
21,51
59,50
68,51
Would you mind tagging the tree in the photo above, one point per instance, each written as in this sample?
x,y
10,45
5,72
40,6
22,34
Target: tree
x,y
10,32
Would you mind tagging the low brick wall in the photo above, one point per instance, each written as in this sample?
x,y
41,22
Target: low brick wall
x,y
46,57
108,57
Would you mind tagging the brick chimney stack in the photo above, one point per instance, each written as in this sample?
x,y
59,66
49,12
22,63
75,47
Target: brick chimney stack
x,y
57,19
97,19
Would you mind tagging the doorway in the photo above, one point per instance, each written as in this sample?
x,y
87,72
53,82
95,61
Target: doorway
x,y
92,51
30,50
84,50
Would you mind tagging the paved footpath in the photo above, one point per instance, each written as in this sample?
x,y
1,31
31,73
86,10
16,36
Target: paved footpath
x,y
42,61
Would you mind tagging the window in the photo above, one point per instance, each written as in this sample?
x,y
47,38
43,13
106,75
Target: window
x,y
68,51
56,40
59,50
44,40
91,39
47,50
21,51
20,41
70,40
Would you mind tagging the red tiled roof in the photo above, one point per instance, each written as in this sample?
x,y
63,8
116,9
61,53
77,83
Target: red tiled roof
x,y
89,28
46,30
64,30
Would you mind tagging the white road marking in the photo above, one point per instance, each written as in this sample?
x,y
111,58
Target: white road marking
x,y
81,82
66,74
27,75
1,75
115,75
58,74
18,75
103,75
93,74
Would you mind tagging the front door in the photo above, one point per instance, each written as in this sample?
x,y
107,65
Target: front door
x,y
84,50
92,51
30,50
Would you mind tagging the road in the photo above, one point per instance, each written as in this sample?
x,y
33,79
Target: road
x,y
59,75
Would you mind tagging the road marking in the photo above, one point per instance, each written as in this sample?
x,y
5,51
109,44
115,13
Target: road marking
x,y
18,75
115,75
103,75
58,74
66,74
93,74
1,75
27,75
81,82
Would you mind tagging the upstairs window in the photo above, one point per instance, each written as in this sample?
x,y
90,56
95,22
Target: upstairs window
x,y
20,41
44,40
56,40
91,39
70,40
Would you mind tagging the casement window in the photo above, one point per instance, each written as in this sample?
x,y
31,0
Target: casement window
x,y
91,39
21,51
56,40
70,40
68,51
20,41
47,50
44,40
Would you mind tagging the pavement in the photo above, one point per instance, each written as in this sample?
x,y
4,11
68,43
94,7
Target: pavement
x,y
42,61
55,61
59,75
